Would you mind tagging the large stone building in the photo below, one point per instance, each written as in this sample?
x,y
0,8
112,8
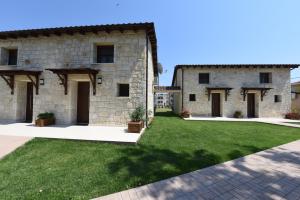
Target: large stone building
x,y
296,97
84,75
221,90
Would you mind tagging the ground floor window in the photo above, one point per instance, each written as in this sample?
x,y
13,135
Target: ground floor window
x,y
192,97
123,90
277,98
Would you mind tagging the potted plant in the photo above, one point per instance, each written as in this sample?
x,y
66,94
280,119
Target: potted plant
x,y
292,115
185,113
238,114
45,119
136,123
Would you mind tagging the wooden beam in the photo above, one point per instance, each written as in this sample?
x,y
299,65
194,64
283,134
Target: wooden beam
x,y
35,83
64,81
93,81
10,81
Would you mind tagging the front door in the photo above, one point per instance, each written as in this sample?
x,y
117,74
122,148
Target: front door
x,y
215,105
29,102
251,105
83,103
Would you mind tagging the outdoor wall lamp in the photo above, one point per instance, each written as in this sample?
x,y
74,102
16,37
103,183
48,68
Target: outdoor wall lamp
x,y
99,80
42,81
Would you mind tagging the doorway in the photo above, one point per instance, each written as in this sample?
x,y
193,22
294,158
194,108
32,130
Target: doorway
x,y
216,105
29,103
251,105
83,103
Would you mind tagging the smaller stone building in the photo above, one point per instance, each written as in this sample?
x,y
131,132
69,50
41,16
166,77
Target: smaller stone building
x,y
296,97
221,90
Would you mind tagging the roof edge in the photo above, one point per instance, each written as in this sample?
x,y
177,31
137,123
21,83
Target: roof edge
x,y
290,66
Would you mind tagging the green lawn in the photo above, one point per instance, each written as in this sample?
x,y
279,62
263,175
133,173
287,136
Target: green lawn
x,y
62,169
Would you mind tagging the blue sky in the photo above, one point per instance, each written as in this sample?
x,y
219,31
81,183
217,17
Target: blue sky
x,y
188,32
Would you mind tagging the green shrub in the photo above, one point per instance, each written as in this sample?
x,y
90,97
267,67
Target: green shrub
x,y
46,115
138,114
238,114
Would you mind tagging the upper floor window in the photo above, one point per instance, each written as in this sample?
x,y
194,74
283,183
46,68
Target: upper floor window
x,y
12,56
8,56
265,77
105,54
203,78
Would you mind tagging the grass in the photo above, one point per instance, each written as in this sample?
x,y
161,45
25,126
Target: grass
x,y
64,169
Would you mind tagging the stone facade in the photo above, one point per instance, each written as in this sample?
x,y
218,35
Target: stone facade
x,y
73,51
296,97
234,78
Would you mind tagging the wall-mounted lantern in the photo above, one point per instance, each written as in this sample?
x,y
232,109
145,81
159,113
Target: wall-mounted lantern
x,y
99,80
42,81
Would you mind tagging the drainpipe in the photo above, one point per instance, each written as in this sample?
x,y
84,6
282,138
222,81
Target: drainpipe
x,y
147,78
182,84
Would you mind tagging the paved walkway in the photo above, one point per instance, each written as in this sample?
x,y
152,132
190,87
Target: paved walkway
x,y
276,121
270,174
9,143
93,133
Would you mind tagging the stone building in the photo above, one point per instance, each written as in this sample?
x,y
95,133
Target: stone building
x,y
221,90
92,75
296,97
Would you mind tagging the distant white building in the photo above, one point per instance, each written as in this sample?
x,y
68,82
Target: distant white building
x,y
163,100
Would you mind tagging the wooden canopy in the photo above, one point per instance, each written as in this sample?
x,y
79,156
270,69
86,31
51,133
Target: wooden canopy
x,y
263,91
63,73
226,89
9,77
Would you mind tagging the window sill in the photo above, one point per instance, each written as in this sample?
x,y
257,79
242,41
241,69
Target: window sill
x,y
123,97
9,65
103,63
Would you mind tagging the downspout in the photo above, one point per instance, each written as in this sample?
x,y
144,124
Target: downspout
x,y
182,84
147,79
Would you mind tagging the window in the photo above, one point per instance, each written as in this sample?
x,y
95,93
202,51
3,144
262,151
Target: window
x,y
203,78
105,54
123,90
265,77
8,56
277,98
192,97
12,56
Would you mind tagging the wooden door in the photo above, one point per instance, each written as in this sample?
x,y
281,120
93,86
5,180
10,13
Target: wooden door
x,y
83,103
29,102
216,104
251,105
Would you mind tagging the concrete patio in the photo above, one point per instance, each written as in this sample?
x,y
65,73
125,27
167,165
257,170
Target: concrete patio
x,y
276,121
92,133
10,143
270,174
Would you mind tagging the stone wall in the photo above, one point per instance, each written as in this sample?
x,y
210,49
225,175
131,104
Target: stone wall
x,y
106,108
296,100
236,78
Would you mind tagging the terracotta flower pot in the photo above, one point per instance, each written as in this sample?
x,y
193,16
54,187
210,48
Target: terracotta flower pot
x,y
135,127
44,122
